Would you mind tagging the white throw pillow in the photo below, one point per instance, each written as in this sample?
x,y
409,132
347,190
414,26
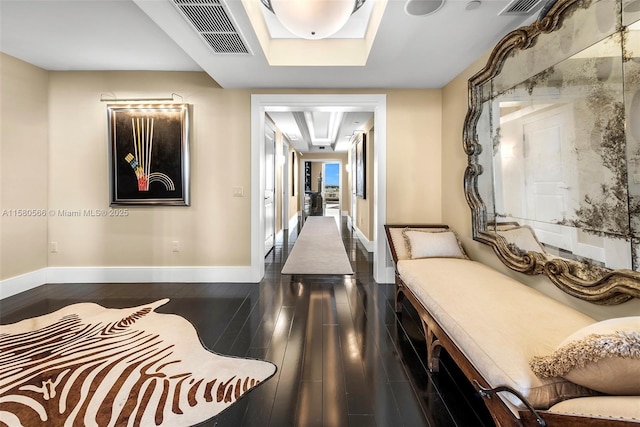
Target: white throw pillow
x,y
523,237
604,356
424,243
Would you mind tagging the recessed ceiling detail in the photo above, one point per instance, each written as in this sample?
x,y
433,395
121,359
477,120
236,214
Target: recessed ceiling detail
x,y
327,129
348,47
323,126
214,24
302,130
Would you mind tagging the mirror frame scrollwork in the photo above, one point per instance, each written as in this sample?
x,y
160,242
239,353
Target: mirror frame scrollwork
x,y
607,287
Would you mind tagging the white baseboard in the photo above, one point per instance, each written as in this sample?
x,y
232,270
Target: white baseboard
x,y
149,274
24,282
368,244
28,281
293,221
390,275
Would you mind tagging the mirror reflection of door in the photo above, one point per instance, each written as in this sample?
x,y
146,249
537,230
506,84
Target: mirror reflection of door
x,y
546,185
551,177
269,187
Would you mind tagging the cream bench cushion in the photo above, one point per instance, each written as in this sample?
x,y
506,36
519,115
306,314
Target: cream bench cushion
x,y
498,323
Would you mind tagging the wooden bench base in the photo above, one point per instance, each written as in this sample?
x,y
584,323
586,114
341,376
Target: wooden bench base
x,y
437,339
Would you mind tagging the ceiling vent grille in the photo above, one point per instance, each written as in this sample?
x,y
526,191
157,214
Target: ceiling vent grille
x,y
212,21
520,7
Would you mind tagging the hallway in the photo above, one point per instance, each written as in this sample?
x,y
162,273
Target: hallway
x,y
344,357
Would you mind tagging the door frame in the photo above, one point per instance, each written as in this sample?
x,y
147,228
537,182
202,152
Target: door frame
x,y
340,176
376,103
286,185
271,128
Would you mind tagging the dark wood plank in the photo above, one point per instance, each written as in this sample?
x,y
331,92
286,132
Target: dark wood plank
x,y
343,355
286,398
260,406
309,411
334,402
359,398
312,361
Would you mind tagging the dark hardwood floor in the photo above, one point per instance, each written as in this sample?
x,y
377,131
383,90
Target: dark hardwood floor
x,y
344,357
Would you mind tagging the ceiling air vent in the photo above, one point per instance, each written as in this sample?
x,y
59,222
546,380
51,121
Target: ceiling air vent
x,y
520,7
212,21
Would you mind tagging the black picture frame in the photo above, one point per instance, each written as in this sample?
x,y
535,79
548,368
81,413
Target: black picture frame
x,y
293,173
307,177
361,167
149,154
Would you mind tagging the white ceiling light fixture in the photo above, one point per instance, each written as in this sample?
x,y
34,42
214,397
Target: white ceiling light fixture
x,y
313,19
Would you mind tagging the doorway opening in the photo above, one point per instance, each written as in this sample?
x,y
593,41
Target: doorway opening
x,y
264,103
332,190
269,188
321,195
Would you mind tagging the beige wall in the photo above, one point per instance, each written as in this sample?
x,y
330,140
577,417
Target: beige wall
x,y
371,199
24,159
294,199
414,133
316,171
456,212
365,207
213,231
345,189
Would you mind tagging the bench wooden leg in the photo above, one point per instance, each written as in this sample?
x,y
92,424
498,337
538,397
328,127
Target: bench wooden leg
x,y
434,355
433,348
399,296
398,301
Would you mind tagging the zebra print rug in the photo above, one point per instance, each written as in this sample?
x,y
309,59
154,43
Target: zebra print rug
x,y
93,366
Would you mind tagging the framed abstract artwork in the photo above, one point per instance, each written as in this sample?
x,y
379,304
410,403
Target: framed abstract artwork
x,y
361,167
149,154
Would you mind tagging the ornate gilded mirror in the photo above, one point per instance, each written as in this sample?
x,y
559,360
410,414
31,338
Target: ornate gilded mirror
x,y
553,142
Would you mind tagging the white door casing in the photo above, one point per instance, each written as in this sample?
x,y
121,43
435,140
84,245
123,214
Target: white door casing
x,y
286,185
269,188
354,199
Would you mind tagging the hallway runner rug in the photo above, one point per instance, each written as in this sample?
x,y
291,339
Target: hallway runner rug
x,y
93,366
318,249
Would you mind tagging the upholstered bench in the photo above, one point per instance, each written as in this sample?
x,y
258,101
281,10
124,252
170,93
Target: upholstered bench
x,y
494,327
